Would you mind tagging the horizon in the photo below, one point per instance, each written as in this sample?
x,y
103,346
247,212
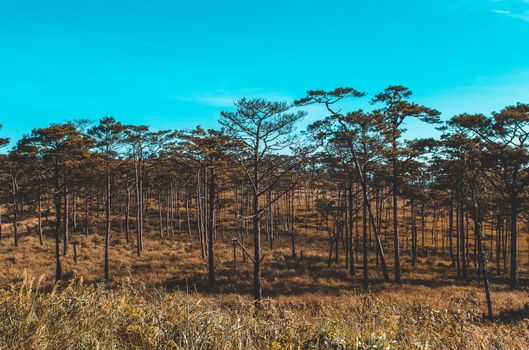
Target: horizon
x,y
175,66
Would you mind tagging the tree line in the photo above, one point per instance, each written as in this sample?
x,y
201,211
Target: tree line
x,y
371,189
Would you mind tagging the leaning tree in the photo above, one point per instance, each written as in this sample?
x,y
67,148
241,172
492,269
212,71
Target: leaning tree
x,y
506,160
357,133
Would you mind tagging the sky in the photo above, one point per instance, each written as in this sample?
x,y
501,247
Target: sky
x,y
175,64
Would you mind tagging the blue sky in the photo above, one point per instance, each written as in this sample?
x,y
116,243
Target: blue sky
x,y
176,64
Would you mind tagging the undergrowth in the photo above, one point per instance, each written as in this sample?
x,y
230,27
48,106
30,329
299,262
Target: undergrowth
x,y
132,315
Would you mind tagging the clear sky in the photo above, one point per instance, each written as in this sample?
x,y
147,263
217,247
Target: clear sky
x,y
175,64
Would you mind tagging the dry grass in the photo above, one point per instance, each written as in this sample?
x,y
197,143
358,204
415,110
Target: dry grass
x,y
131,315
160,300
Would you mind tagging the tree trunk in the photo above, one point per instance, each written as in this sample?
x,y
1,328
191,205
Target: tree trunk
x,y
57,195
107,220
15,208
371,217
138,204
514,242
39,227
256,215
211,230
451,232
394,184
160,220
482,262
413,234
351,266
187,216
364,238
66,223
292,231
127,210
462,240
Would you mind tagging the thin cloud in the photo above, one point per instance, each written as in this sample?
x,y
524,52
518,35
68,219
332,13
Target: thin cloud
x,y
521,16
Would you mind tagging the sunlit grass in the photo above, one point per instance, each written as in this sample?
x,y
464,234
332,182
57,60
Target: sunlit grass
x,y
132,315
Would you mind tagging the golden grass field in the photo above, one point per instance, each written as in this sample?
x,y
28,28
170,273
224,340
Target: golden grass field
x,y
160,300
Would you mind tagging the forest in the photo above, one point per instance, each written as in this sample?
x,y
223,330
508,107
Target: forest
x,y
345,234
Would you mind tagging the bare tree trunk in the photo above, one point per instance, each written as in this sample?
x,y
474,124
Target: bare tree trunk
x,y
413,234
462,240
15,207
257,290
458,243
57,195
292,231
211,230
371,217
139,205
88,205
200,227
160,220
74,213
482,262
514,242
127,211
351,266
177,202
364,238
66,223
256,215
187,216
396,247
451,231
39,227
108,222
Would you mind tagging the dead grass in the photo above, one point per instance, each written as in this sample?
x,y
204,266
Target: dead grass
x,y
160,300
133,315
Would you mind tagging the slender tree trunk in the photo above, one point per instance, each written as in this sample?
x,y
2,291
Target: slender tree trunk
x,y
160,220
257,290
458,243
413,234
211,230
270,219
371,217
423,226
138,204
351,266
127,211
256,215
514,242
187,216
39,227
107,221
498,244
57,195
199,212
394,184
88,204
364,238
462,240
15,207
482,262
66,223
292,231
451,232
74,213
